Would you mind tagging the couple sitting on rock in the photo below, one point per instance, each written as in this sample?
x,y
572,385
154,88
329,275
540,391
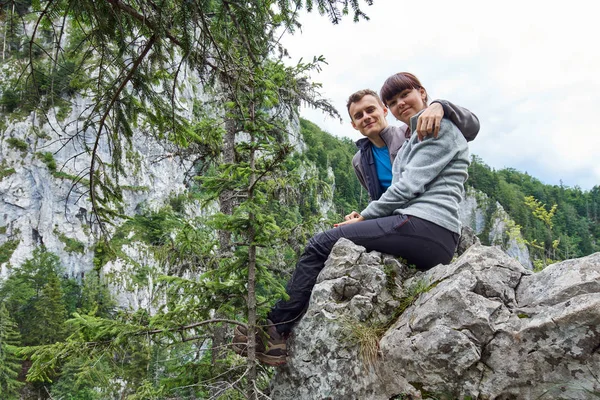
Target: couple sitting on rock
x,y
415,177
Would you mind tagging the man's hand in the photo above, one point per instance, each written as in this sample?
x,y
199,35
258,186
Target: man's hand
x,y
352,215
430,120
351,220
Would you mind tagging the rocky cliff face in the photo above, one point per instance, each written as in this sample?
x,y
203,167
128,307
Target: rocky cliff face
x,y
482,327
486,217
44,195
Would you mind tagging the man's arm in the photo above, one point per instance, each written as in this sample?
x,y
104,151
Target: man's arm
x,y
465,120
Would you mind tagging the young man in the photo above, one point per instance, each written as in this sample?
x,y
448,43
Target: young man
x,y
378,149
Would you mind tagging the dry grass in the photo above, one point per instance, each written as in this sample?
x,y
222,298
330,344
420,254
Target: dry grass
x,y
366,337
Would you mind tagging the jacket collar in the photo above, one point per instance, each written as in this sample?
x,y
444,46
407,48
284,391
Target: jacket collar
x,y
386,136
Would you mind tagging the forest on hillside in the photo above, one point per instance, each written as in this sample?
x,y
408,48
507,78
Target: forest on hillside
x,y
573,227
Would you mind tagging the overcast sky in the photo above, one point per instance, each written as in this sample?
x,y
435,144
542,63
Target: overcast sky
x,y
530,70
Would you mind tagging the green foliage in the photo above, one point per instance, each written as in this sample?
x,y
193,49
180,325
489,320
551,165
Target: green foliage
x,y
96,299
12,24
539,210
135,61
17,144
51,312
5,170
75,382
9,100
10,364
71,245
185,247
574,230
48,159
70,177
34,296
40,298
412,292
490,214
7,249
391,273
150,227
135,188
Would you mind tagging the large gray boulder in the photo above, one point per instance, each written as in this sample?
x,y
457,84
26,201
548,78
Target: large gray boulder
x,y
483,327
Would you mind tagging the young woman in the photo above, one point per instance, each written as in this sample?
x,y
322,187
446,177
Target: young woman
x,y
416,218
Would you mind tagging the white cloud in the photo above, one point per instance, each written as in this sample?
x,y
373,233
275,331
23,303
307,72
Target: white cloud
x,y
528,69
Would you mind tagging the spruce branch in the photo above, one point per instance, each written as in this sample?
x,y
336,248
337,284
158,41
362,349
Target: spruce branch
x,y
193,325
126,80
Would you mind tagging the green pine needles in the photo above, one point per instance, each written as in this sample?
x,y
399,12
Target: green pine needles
x,y
10,362
190,279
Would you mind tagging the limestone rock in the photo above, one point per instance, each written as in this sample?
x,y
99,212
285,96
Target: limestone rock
x,y
42,207
480,213
467,239
482,327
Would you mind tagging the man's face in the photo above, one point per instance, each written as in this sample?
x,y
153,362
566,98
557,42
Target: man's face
x,y
368,116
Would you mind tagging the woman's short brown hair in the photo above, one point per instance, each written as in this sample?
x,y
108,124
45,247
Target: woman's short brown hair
x,y
399,82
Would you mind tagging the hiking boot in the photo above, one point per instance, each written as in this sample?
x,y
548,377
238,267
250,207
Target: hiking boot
x,y
270,345
240,340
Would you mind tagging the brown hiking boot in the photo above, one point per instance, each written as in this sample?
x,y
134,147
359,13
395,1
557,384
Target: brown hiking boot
x,y
270,345
240,340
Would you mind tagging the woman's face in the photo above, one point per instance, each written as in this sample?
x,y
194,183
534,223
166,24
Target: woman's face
x,y
407,103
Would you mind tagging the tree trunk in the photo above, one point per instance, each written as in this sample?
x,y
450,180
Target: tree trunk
x,y
251,287
226,203
226,198
6,33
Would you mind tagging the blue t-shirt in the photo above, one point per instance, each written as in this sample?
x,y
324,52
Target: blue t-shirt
x,y
383,166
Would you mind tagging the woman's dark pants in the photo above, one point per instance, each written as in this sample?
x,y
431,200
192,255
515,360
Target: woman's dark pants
x,y
419,242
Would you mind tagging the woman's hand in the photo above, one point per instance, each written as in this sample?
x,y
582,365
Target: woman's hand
x,y
350,221
429,121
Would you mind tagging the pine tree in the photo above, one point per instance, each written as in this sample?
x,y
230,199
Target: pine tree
x,y
50,313
25,293
95,297
10,364
233,48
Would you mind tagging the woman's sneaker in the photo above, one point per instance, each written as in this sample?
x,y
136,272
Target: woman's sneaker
x,y
271,346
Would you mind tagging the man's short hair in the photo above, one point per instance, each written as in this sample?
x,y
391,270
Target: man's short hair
x,y
357,96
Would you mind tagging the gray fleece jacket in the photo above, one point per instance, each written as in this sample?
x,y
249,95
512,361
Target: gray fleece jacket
x,y
428,178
